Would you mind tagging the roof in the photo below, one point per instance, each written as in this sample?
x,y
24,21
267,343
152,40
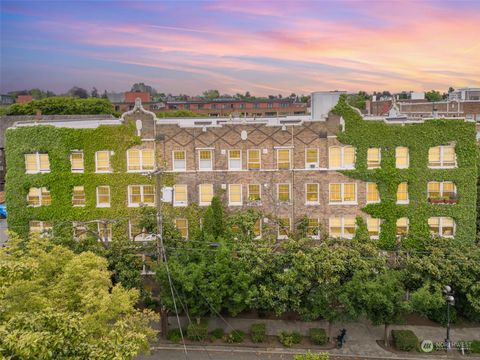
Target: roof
x,y
116,97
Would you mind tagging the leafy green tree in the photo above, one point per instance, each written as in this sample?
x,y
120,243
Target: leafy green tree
x,y
63,106
433,95
211,94
58,304
78,92
213,220
380,298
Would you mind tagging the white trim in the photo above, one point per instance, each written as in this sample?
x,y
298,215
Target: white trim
x,y
283,147
180,203
142,166
259,192
142,196
314,237
205,203
342,157
403,202
289,193
84,196
440,226
109,163
371,167
367,192
109,230
289,158
342,194
343,234
173,161
37,161
259,159
78,171
98,205
379,221
396,227
40,196
441,166
441,183
230,203
308,164
306,194
200,160
408,157
139,237
186,223
230,168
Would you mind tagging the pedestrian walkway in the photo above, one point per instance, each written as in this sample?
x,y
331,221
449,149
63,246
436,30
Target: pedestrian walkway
x,y
361,336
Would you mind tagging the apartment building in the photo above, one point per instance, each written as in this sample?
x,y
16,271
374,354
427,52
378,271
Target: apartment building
x,y
288,168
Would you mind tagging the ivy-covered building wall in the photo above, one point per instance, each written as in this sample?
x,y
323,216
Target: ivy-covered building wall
x,y
418,137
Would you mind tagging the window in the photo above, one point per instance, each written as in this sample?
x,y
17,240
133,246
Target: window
x,y
102,162
39,197
37,163
441,226
373,196
79,231
439,191
140,160
103,196
182,227
342,227
283,228
283,192
180,195
104,231
313,228
402,158
205,160
253,159
283,159
373,226
343,193
76,159
402,193
311,194
179,160
373,158
206,194
311,159
235,194
78,197
254,192
135,232
257,229
341,157
43,228
141,194
234,160
402,226
442,156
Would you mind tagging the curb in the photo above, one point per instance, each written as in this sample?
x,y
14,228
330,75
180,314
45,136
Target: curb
x,y
284,351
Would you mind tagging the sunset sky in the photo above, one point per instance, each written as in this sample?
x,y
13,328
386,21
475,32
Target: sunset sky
x,y
265,47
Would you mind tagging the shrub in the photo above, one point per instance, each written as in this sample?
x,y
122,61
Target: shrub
x,y
404,340
475,346
236,336
197,332
258,332
318,336
288,338
310,356
217,333
174,335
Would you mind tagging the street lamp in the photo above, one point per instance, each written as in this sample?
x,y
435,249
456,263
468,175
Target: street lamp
x,y
447,290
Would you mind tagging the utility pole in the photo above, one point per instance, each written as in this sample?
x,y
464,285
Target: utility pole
x,y
160,248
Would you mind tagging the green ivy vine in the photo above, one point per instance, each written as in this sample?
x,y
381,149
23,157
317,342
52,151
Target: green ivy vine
x,y
418,138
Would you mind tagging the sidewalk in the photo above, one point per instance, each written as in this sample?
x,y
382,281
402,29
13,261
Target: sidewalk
x,y
361,336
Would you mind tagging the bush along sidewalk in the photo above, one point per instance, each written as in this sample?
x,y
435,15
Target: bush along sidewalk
x,y
258,333
289,338
236,336
404,340
217,334
197,331
318,336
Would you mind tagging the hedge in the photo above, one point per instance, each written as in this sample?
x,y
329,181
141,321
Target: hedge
x,y
404,340
318,336
289,338
236,336
197,332
475,346
258,332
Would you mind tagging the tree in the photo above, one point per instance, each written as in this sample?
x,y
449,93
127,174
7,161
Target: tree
x,y
94,92
211,94
63,106
433,95
380,298
213,221
78,92
141,87
58,304
104,95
